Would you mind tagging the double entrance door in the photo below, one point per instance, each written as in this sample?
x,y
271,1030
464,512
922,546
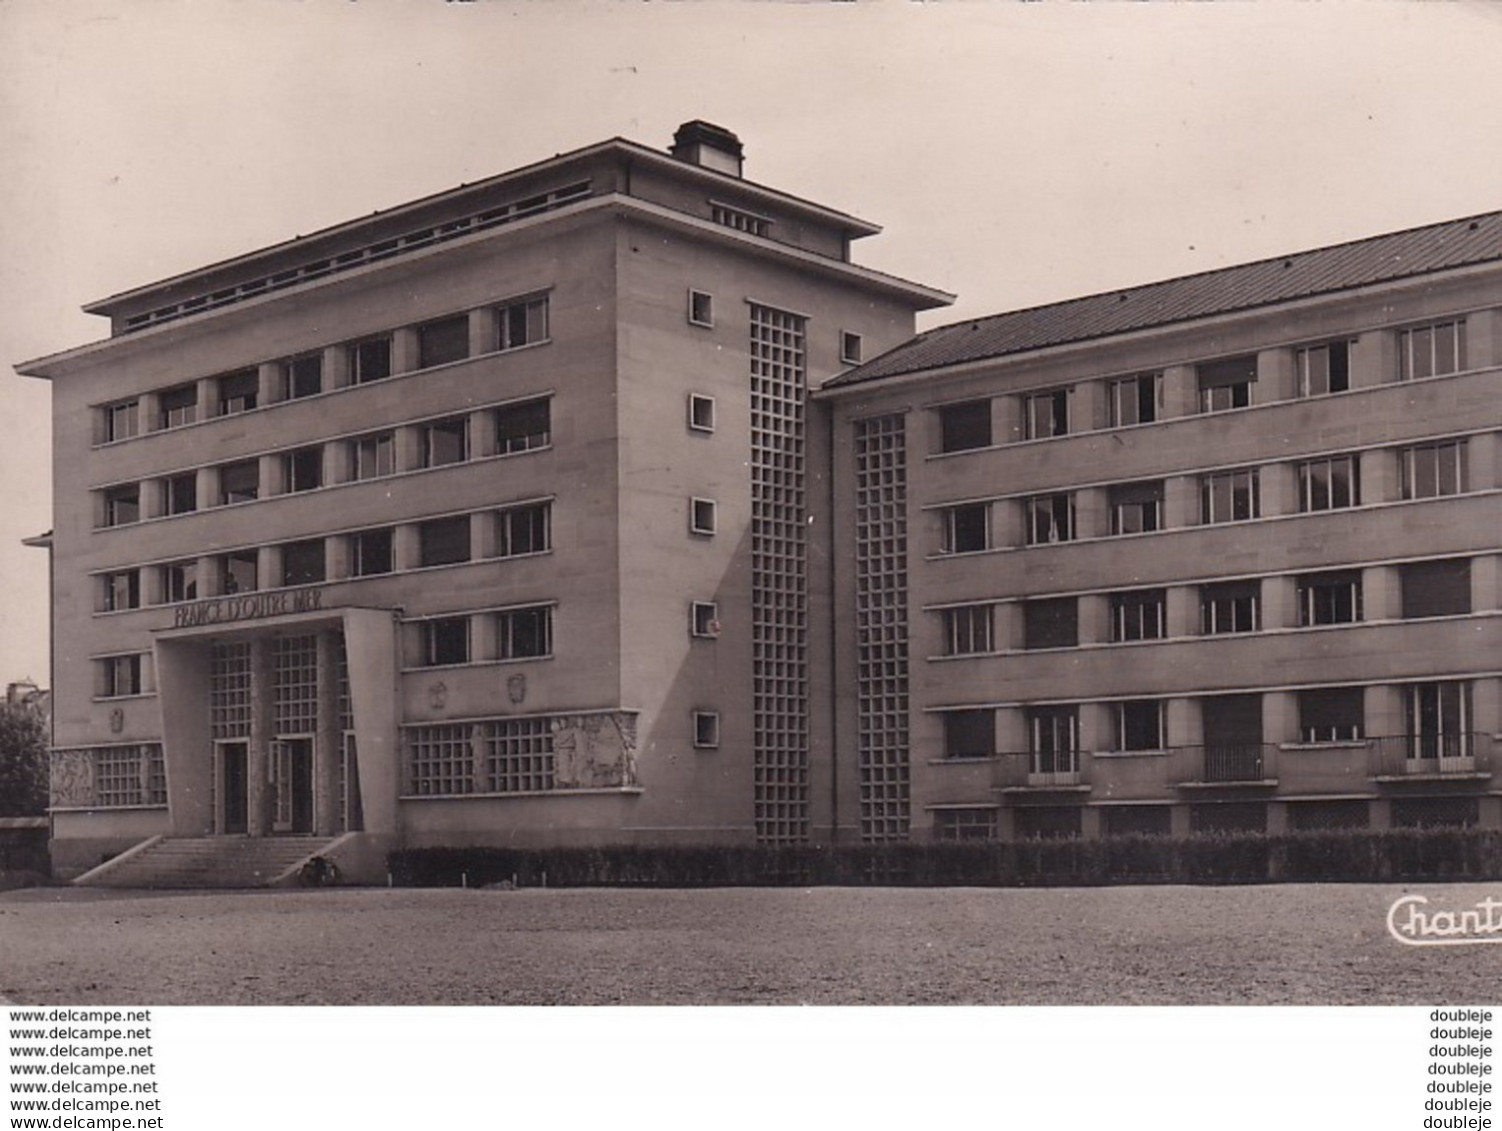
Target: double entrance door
x,y
291,801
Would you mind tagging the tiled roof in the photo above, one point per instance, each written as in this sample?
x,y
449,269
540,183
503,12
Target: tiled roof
x,y
1398,255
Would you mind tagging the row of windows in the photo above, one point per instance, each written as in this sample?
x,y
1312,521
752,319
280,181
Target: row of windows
x,y
1440,587
439,342
520,634
522,426
514,531
1425,471
1220,385
1437,716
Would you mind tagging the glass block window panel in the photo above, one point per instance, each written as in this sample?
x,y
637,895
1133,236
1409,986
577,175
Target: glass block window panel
x,y
1051,622
779,582
523,530
966,529
1136,508
1323,369
1431,351
1331,714
1226,384
518,755
238,391
525,634
523,426
1229,496
969,734
1329,598
1139,614
881,611
965,426
522,323
1429,471
1136,400
441,760
1049,518
1330,483
443,541
229,690
965,824
1046,415
443,341
1439,588
370,360
129,776
1229,606
967,630
295,684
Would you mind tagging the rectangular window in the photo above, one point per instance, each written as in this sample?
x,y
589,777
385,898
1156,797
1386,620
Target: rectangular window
x,y
1229,496
237,391
1329,484
120,675
1432,470
1140,614
967,630
1330,715
370,360
965,426
1140,725
1136,508
523,427
525,634
180,494
850,348
1050,518
121,420
1329,598
1323,369
122,591
443,341
1136,400
965,824
700,412
704,619
302,376
303,562
702,516
180,582
1054,739
966,529
1438,717
700,308
302,470
1226,384
445,441
445,641
1431,351
706,730
238,573
523,530
1229,606
739,219
373,455
239,482
371,552
1050,623
522,323
443,541
122,505
177,407
1046,414
1437,588
970,734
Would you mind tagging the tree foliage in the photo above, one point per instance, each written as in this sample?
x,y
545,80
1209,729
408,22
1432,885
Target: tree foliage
x,y
23,762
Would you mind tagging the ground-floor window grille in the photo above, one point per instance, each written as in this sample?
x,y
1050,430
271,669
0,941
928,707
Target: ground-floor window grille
x,y
965,824
1048,822
1435,812
229,690
441,759
1136,820
1313,816
1229,817
127,776
518,756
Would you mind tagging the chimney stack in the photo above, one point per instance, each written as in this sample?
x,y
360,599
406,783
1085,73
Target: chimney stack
x,y
704,143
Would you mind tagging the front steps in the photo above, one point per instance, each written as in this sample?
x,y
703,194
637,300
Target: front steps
x,y
207,862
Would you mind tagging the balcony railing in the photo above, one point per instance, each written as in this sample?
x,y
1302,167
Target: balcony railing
x,y
1438,755
1050,769
1226,763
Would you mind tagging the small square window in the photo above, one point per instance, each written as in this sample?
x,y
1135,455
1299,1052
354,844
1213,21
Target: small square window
x,y
706,730
704,619
700,308
702,516
700,412
851,348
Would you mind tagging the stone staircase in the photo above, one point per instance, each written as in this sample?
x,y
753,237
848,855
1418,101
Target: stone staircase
x,y
205,862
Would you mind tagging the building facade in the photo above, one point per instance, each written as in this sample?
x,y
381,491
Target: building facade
x,y
1219,553
608,500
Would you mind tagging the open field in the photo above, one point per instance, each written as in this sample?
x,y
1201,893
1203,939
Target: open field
x,y
1317,944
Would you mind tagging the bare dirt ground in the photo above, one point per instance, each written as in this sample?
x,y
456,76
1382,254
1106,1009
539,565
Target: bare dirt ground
x,y
1314,944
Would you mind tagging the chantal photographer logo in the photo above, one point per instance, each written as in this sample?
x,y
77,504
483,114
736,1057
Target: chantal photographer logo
x,y
1412,924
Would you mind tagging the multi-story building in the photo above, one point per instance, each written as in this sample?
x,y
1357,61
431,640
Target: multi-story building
x,y
483,519
1217,553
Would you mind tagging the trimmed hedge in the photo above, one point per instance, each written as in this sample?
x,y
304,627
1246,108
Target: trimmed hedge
x,y
1359,856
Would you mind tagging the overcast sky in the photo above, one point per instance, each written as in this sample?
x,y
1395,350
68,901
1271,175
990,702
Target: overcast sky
x,y
1015,154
